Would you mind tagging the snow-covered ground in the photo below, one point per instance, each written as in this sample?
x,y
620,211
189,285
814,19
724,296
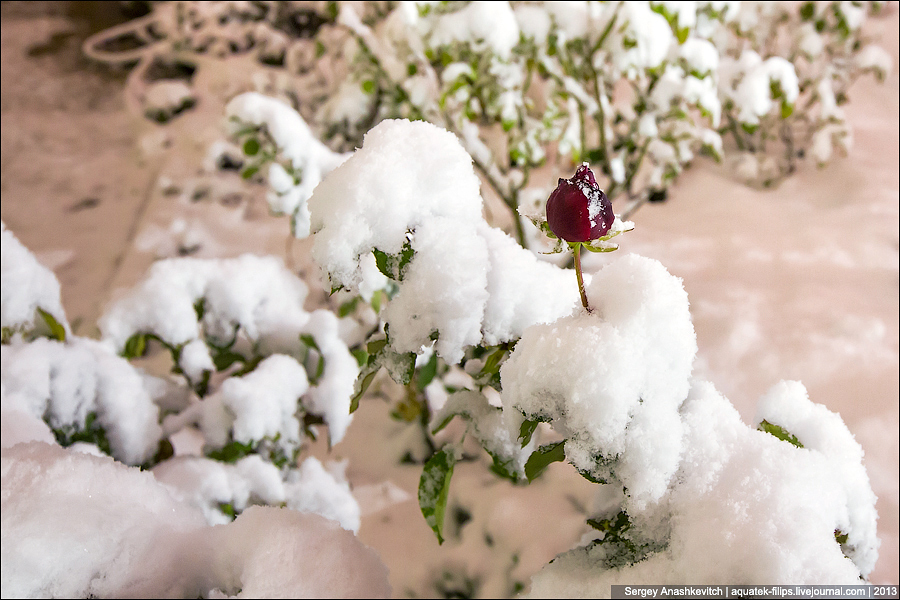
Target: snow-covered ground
x,y
799,282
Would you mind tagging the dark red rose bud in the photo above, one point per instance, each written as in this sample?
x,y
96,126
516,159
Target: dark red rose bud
x,y
578,210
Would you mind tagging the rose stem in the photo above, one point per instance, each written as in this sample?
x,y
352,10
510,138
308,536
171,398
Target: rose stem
x,y
584,301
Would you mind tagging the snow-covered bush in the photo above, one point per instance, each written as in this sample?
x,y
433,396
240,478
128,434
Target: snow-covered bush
x,y
77,526
542,365
610,378
253,375
637,89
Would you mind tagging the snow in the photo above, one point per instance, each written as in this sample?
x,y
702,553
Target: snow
x,y
65,382
488,25
261,404
650,33
207,485
313,489
250,299
610,380
689,459
381,198
721,525
26,286
307,155
76,525
753,95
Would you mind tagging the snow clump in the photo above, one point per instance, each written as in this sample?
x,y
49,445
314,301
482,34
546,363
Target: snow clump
x,y
249,301
76,525
413,184
27,286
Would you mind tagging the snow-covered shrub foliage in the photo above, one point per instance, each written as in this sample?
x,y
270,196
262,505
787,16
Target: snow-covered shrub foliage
x,y
79,526
29,290
261,373
612,379
637,89
598,375
253,376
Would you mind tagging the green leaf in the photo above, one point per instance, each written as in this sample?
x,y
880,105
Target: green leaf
x,y
623,547
231,452
526,431
368,86
200,308
382,261
393,266
406,255
56,330
362,384
91,433
787,110
780,432
426,373
807,11
135,346
400,366
225,358
249,172
434,489
361,356
310,342
348,307
251,147
377,299
249,365
376,346
202,386
541,458
503,467
228,510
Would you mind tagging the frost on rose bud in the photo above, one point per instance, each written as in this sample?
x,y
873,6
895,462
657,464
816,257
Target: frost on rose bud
x,y
578,210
